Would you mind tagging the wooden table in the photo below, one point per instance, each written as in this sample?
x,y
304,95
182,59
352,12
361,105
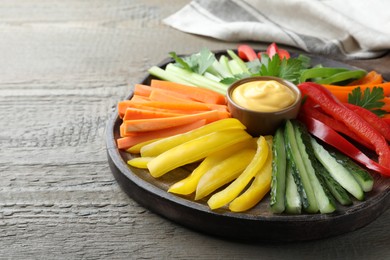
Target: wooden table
x,y
63,67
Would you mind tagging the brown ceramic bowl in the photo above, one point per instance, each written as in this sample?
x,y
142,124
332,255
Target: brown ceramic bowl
x,y
263,123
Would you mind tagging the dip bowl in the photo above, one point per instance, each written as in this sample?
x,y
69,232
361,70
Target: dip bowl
x,y
258,122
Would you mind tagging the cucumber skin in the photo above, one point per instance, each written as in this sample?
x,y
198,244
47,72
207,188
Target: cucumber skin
x,y
325,201
293,199
338,171
278,184
289,129
363,177
332,188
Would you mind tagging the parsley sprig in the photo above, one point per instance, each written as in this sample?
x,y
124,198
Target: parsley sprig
x,y
369,99
197,62
288,69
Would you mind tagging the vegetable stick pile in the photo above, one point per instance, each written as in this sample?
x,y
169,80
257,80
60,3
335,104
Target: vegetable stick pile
x,y
226,154
183,118
166,108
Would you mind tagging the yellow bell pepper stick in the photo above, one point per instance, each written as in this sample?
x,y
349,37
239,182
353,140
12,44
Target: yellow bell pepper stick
x,y
223,173
258,189
163,145
237,186
195,150
188,185
140,162
137,148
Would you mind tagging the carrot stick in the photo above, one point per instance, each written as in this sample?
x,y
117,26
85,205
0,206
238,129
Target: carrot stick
x,y
341,95
188,107
154,108
142,90
138,98
195,93
386,106
385,86
122,130
137,113
139,137
371,77
143,125
166,97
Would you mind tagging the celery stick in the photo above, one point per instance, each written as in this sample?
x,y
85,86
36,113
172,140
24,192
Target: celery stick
x,y
235,68
223,60
165,75
211,76
197,80
221,69
214,72
239,61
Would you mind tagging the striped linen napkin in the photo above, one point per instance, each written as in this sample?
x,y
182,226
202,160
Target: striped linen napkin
x,y
348,29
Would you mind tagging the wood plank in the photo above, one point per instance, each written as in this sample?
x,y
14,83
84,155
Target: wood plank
x,y
64,66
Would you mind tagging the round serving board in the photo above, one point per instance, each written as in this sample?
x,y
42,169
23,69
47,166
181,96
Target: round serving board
x,y
257,224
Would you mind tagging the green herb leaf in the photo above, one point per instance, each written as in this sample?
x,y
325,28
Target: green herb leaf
x,y
369,99
289,69
236,77
197,62
228,81
180,61
205,59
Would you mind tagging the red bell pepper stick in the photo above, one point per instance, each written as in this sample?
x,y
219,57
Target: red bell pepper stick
x,y
386,120
274,49
246,52
283,54
331,137
372,119
353,121
309,110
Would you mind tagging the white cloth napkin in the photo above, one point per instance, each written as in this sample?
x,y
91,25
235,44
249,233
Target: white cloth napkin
x,y
344,29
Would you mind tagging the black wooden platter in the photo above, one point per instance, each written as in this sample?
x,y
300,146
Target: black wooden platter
x,y
257,224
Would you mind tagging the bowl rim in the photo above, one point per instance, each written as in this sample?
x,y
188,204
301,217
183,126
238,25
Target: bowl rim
x,y
287,83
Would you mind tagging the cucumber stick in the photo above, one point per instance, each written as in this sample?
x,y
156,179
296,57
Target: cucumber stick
x,y
324,201
338,171
278,184
293,200
363,177
334,188
338,192
301,177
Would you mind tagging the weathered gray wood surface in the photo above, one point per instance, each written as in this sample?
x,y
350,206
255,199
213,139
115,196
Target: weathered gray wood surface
x,y
63,66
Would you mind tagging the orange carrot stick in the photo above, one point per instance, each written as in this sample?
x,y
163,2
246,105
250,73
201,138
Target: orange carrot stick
x,y
189,107
195,93
122,109
341,95
139,137
138,98
166,97
386,106
142,90
144,125
371,77
122,130
385,86
137,113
